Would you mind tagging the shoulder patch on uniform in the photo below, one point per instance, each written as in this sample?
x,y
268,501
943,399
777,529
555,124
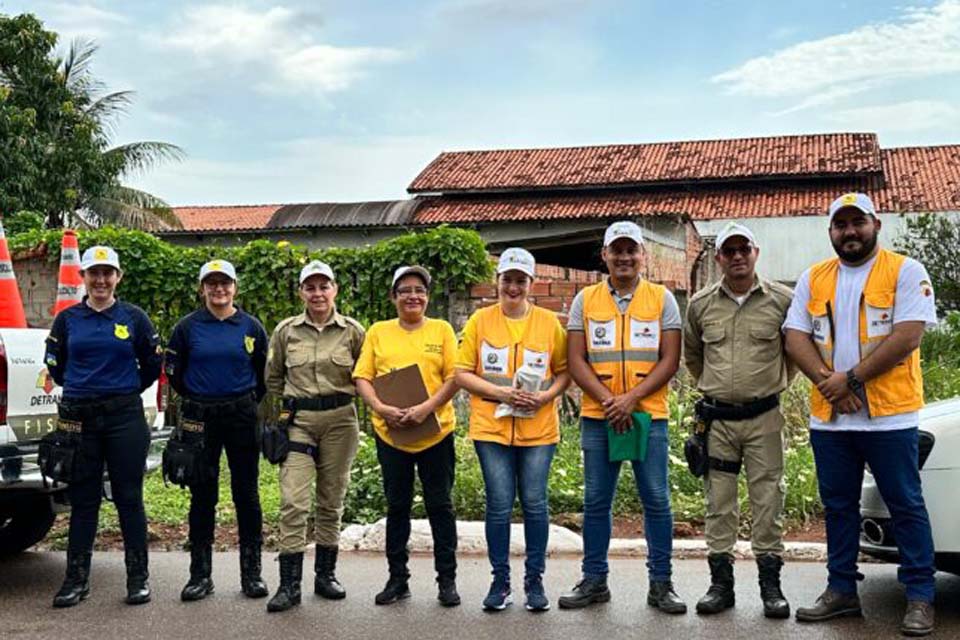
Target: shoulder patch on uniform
x,y
926,288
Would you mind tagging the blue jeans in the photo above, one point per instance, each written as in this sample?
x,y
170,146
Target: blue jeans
x,y
892,456
600,480
505,470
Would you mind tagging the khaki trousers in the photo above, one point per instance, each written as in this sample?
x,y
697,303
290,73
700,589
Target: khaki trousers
x,y
336,434
758,442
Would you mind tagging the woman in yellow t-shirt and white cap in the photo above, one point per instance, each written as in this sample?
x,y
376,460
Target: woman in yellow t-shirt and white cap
x,y
413,338
513,361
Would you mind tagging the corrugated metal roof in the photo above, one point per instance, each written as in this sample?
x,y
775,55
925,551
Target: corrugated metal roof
x,y
344,214
820,155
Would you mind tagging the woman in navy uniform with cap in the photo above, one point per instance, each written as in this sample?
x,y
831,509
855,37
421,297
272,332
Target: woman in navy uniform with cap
x,y
104,353
215,361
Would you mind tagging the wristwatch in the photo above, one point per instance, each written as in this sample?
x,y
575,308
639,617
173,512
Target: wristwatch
x,y
854,383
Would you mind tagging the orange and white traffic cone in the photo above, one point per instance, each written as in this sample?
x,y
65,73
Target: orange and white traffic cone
x,y
11,305
70,288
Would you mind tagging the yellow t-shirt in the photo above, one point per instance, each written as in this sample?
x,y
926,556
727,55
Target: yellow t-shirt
x,y
467,353
432,347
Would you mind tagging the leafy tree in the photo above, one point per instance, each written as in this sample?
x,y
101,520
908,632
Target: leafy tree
x,y
933,240
21,222
55,126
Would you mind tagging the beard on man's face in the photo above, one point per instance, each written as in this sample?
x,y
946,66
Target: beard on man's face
x,y
856,255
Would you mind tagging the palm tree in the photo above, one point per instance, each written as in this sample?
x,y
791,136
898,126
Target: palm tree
x,y
119,204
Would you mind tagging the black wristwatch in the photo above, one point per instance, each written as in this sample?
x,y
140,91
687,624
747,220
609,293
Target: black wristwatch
x,y
854,383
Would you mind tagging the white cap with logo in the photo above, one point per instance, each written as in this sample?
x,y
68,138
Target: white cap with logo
x,y
623,229
414,269
99,255
218,266
732,230
859,201
316,268
517,259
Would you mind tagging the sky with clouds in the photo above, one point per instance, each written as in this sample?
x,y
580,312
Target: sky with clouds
x,y
308,101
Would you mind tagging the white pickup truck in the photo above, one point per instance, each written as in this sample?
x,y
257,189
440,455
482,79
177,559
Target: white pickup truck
x,y
28,410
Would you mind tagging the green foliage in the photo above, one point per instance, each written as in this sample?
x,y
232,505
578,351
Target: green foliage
x,y
940,357
161,278
22,222
933,240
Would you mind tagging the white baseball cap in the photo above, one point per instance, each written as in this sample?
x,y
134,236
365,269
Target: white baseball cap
x,y
316,268
411,269
218,266
99,255
859,201
732,230
517,259
622,229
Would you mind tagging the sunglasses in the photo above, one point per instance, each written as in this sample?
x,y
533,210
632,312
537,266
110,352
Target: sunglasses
x,y
729,252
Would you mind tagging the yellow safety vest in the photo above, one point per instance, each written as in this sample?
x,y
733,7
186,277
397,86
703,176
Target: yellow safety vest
x,y
498,357
899,390
623,348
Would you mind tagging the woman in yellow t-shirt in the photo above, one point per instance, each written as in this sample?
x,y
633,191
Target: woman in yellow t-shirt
x,y
513,361
413,338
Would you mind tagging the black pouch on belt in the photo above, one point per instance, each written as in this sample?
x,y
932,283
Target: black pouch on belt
x,y
275,438
695,447
59,451
184,462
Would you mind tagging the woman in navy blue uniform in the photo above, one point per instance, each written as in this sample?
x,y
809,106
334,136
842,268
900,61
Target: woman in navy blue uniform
x,y
215,361
104,353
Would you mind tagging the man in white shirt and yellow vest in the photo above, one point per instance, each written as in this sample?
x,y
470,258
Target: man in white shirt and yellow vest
x,y
854,328
623,347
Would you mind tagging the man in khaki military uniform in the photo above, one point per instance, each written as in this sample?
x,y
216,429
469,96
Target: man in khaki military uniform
x,y
310,363
734,350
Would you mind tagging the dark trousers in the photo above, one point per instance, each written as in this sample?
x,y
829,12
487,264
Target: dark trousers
x,y
235,430
892,456
435,467
120,440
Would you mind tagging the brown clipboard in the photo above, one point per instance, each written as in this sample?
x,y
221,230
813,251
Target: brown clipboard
x,y
405,388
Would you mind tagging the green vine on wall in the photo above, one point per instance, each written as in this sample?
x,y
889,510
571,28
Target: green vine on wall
x,y
162,278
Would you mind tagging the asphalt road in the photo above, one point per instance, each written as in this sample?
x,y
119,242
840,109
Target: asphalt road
x,y
28,582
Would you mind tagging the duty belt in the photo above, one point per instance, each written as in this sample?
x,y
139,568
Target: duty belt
x,y
318,403
90,407
197,407
711,409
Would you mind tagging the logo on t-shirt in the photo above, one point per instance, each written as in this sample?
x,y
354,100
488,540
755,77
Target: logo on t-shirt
x,y
248,342
434,348
121,331
926,288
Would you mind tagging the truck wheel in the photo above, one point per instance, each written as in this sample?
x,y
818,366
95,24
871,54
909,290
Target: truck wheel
x,y
24,523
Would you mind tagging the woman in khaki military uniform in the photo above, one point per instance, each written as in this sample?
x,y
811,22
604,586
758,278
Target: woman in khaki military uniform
x,y
310,363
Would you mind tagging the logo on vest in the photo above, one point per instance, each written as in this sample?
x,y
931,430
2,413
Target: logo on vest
x,y
491,358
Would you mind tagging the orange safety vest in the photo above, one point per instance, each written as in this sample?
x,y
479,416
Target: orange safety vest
x,y
497,360
623,348
899,390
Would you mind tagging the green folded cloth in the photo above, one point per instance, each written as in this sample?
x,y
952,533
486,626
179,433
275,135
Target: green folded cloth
x,y
632,443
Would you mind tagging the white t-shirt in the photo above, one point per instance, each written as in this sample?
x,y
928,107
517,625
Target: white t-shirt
x,y
914,302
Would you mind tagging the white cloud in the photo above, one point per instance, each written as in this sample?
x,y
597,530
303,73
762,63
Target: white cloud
x,y
276,48
923,42
79,20
507,12
915,115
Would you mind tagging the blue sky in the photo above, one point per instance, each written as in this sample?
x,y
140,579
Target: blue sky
x,y
344,101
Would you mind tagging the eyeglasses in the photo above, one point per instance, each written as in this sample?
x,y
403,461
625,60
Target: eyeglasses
x,y
729,252
412,291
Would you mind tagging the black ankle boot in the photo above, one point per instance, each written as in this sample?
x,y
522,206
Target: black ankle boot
x,y
775,605
288,593
720,595
76,584
200,584
326,584
251,583
138,589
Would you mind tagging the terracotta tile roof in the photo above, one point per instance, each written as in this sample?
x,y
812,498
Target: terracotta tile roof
x,y
226,218
918,179
843,154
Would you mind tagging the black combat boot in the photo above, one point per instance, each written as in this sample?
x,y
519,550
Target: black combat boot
x,y
76,584
720,596
663,596
288,593
138,589
200,584
586,592
775,605
397,588
326,584
251,583
447,590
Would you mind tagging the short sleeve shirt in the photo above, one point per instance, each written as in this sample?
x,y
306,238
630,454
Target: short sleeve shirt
x,y
669,317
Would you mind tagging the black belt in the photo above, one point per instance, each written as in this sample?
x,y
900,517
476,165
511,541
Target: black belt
x,y
318,403
87,408
205,406
711,409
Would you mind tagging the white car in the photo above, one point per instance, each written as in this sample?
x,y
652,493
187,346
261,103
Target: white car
x,y
28,410
940,474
